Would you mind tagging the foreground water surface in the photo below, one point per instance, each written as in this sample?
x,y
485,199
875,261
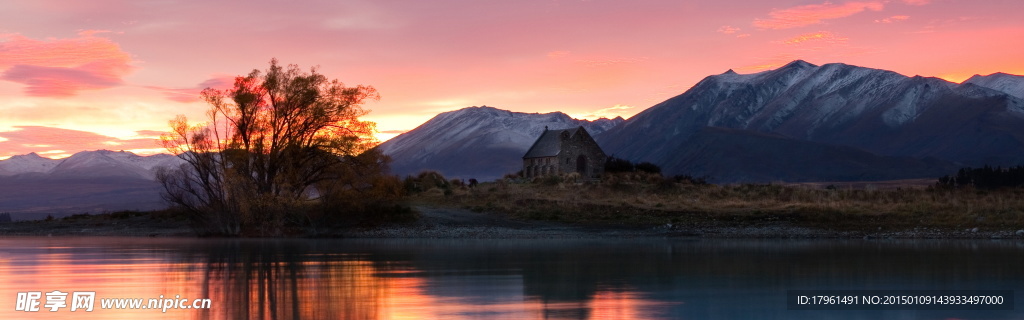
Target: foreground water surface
x,y
497,279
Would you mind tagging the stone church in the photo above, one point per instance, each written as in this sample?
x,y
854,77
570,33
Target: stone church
x,y
564,151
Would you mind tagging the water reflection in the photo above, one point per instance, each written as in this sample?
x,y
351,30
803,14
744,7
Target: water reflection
x,y
498,279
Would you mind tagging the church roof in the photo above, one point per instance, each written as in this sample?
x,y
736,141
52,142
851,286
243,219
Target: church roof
x,y
549,144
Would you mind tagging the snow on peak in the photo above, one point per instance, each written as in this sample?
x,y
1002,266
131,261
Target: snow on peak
x,y
1004,82
28,163
800,64
89,163
455,129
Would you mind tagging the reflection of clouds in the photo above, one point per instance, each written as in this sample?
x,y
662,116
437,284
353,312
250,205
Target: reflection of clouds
x,y
433,280
501,279
625,304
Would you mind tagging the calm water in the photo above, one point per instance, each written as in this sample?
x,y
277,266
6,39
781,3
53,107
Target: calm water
x,y
497,279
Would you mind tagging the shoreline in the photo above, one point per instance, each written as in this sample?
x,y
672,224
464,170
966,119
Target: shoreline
x,y
453,223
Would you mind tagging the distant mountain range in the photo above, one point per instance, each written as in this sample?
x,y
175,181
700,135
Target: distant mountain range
x,y
86,182
800,122
895,118
88,164
477,142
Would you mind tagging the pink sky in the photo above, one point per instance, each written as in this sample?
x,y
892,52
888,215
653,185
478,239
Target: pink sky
x,y
110,74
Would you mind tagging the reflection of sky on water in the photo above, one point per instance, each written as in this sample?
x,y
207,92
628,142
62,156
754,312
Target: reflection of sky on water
x,y
499,279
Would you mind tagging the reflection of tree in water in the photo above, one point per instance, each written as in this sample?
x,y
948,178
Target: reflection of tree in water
x,y
364,279
698,278
286,280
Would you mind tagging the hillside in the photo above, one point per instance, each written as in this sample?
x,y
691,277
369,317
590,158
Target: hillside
x,y
889,115
477,142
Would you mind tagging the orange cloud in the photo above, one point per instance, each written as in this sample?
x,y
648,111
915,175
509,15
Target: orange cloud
x,y
598,62
558,54
49,140
817,37
610,113
192,94
813,14
892,19
728,29
917,2
62,67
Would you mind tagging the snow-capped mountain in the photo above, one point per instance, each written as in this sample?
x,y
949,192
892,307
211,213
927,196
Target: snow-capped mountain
x,y
27,163
89,164
881,112
32,187
477,142
1011,84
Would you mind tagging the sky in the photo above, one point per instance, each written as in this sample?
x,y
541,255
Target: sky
x,y
110,74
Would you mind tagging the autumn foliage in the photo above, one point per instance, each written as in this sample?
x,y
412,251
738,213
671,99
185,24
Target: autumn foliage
x,y
282,150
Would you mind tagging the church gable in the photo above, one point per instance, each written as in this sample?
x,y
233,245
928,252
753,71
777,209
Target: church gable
x,y
564,151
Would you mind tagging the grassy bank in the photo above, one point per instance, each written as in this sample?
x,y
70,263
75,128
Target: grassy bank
x,y
645,199
160,223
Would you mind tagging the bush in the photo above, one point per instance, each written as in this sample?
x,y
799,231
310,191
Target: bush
x,y
648,167
615,165
985,178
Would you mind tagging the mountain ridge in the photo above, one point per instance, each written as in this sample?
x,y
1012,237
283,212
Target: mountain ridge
x,y
799,122
879,111
85,164
477,142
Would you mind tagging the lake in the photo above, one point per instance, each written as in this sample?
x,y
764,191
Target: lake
x,y
492,279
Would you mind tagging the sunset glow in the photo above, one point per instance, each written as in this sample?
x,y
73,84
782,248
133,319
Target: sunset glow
x,y
110,74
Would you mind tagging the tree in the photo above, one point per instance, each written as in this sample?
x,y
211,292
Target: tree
x,y
275,147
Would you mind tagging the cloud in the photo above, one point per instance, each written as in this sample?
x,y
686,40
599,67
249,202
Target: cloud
x,y
618,110
817,37
63,67
732,30
917,2
814,13
600,62
150,133
768,63
58,81
50,140
728,29
892,19
187,95
360,22
558,54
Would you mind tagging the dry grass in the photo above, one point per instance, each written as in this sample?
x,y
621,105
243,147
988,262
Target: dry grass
x,y
639,199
